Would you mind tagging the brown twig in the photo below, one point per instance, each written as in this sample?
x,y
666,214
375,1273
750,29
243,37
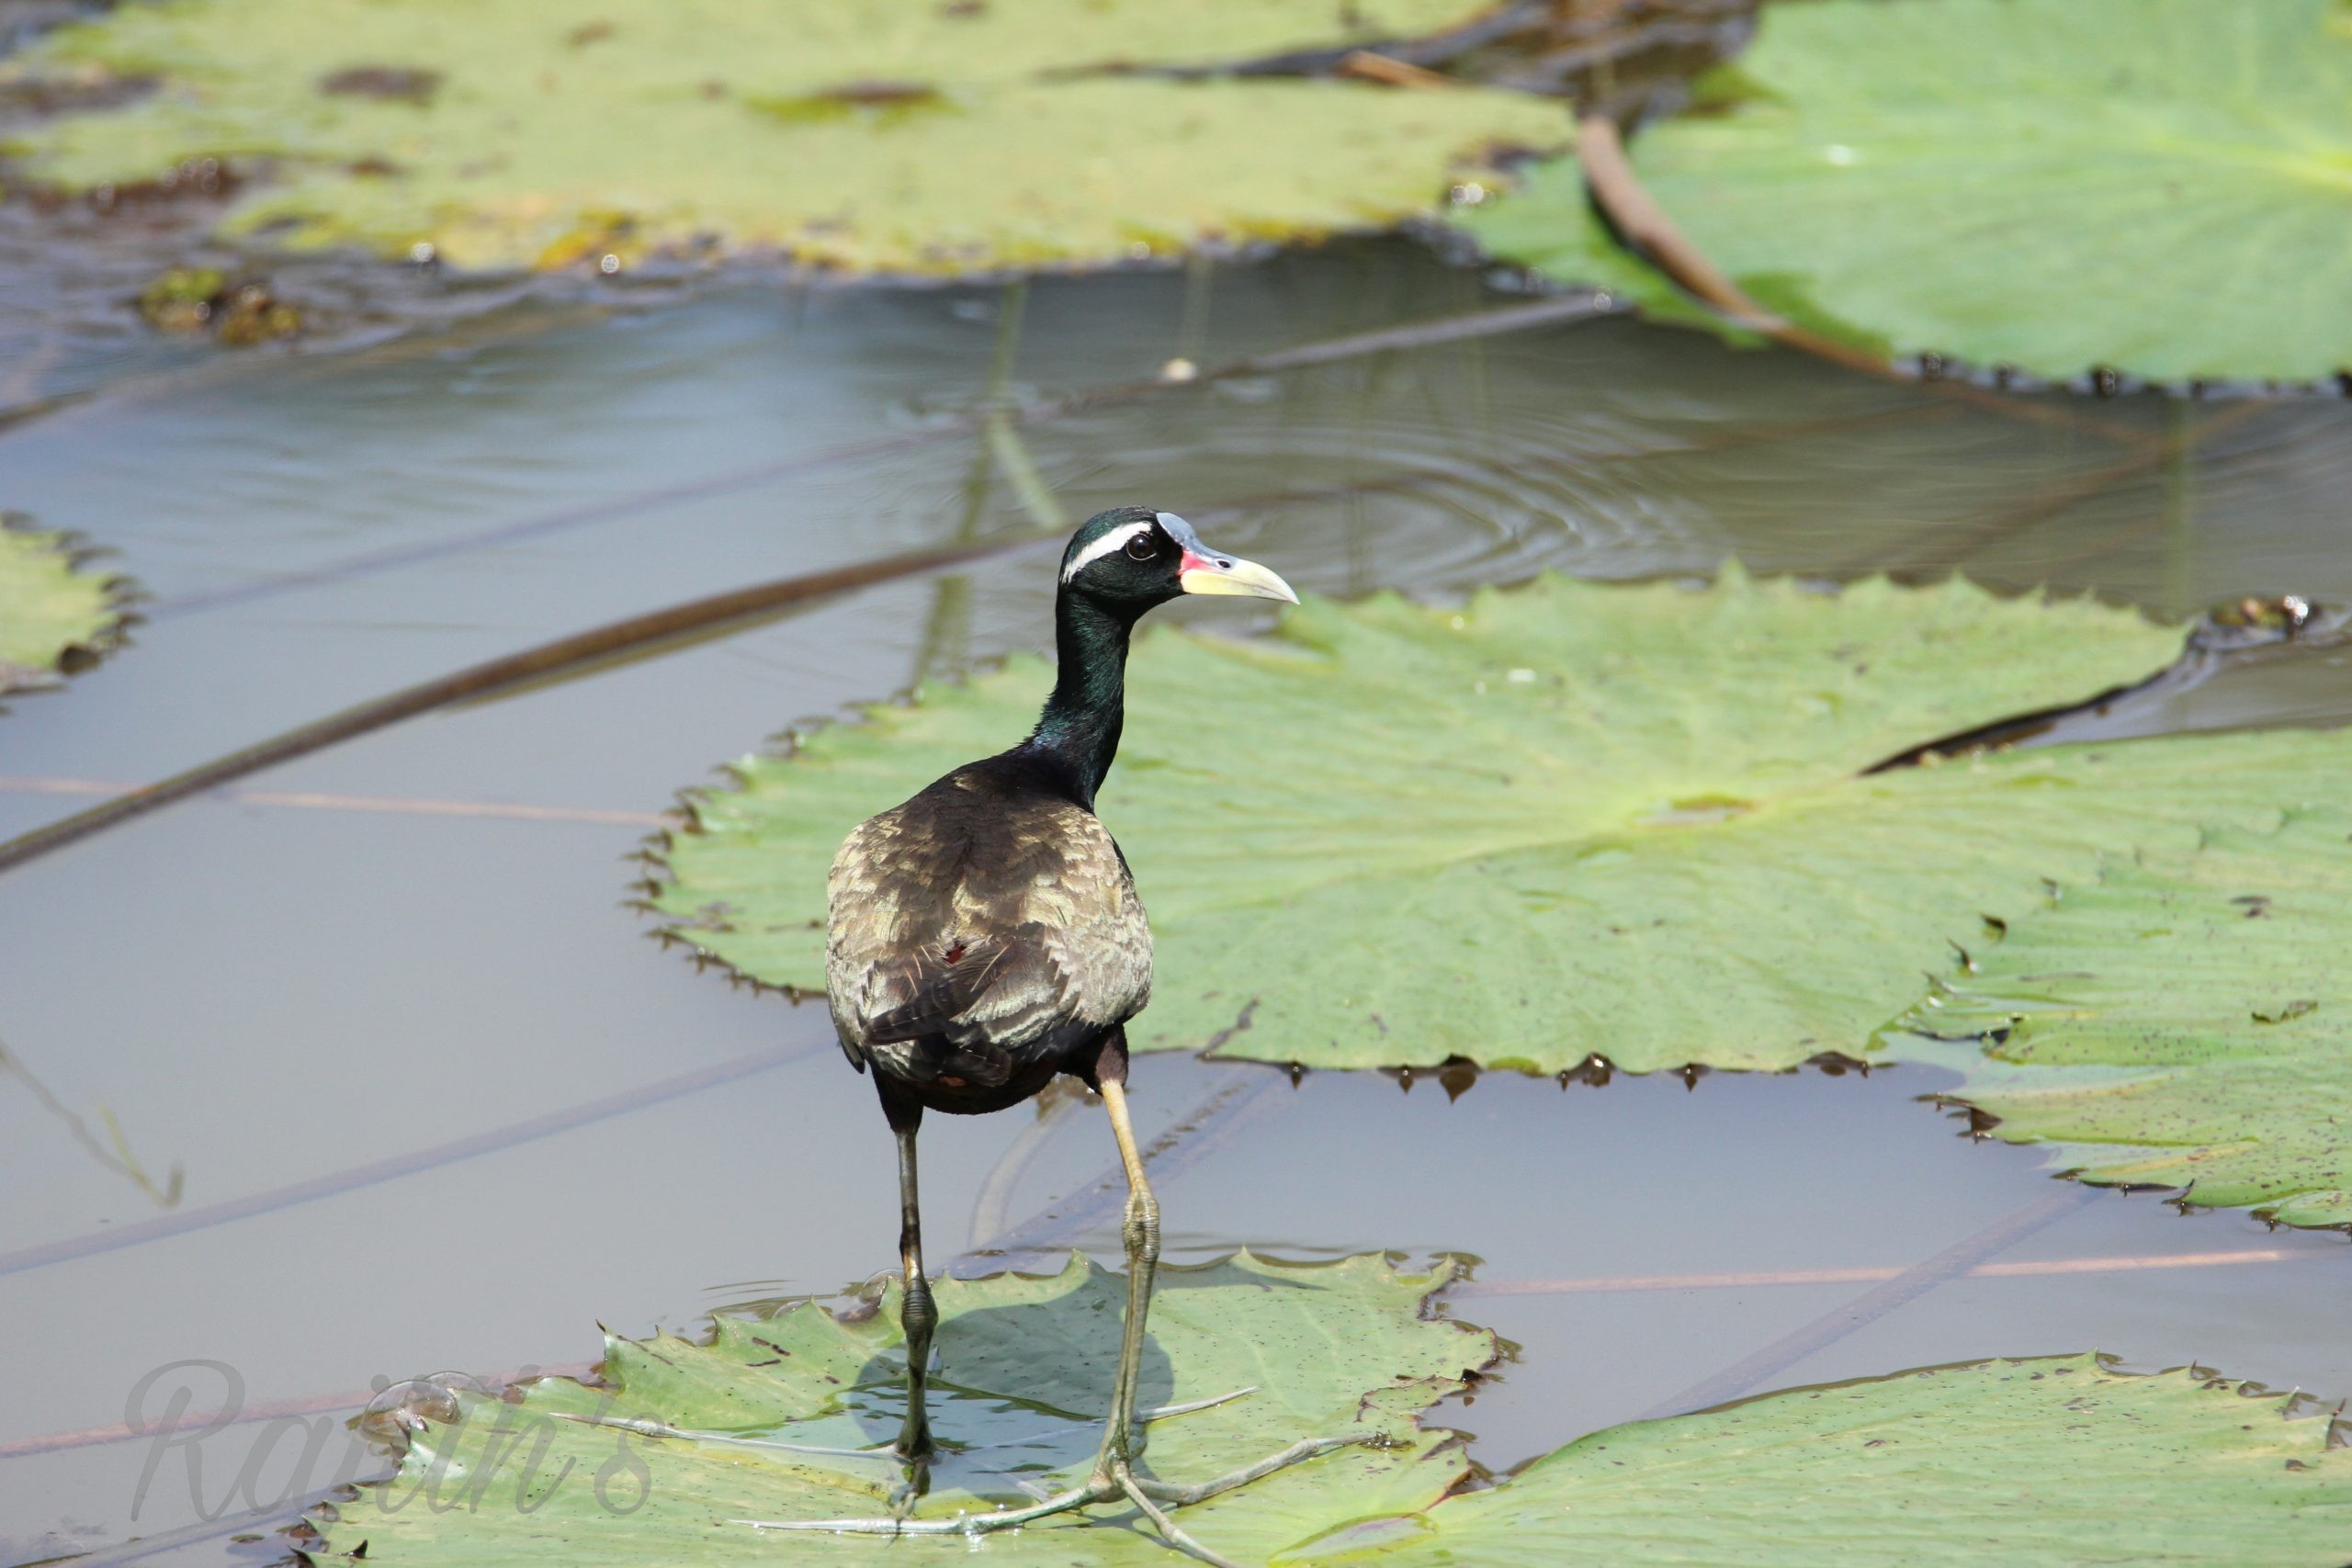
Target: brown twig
x,y
599,645
395,806
1364,65
2030,1268
1960,1258
1648,230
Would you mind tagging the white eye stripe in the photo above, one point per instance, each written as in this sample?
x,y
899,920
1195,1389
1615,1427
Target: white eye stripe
x,y
1109,543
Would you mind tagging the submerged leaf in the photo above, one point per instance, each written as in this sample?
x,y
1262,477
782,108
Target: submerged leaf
x,y
1023,1377
906,137
1566,819
2157,186
52,615
2055,1462
2184,1020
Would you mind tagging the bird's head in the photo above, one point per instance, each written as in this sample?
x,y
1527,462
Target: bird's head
x,y
1131,557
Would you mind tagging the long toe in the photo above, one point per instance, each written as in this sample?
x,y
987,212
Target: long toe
x,y
1298,1453
1162,1412
1170,1531
965,1525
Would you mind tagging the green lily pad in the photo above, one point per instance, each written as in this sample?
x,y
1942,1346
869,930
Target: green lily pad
x,y
53,617
906,137
2183,1021
1566,819
1551,227
2158,187
2059,1461
1023,1381
2052,1462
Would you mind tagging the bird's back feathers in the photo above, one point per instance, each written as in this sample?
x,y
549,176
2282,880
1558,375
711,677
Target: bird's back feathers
x,y
981,930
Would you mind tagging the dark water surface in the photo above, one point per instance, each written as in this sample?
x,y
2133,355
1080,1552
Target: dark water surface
x,y
381,953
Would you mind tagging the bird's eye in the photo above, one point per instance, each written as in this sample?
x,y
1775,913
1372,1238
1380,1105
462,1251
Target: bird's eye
x,y
1142,547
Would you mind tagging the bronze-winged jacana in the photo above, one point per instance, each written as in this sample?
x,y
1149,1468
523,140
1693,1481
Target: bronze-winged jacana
x,y
986,936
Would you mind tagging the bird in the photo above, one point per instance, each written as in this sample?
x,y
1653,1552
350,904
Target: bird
x,y
985,935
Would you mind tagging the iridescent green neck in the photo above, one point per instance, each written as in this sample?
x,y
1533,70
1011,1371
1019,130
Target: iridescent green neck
x,y
1079,731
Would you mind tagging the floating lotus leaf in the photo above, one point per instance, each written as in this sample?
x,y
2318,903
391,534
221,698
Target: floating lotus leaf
x,y
1024,1373
2158,187
50,613
2052,1462
1550,226
1566,819
2181,1020
901,136
2058,1462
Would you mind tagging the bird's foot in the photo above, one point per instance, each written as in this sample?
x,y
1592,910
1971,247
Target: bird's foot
x,y
1148,1493
1115,1478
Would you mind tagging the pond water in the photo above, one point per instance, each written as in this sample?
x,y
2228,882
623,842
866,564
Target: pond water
x,y
422,937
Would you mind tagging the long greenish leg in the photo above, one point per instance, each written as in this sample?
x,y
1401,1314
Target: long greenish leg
x,y
1115,1478
1120,1440
916,1313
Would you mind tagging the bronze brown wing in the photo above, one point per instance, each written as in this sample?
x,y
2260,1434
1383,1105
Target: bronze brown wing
x,y
942,962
